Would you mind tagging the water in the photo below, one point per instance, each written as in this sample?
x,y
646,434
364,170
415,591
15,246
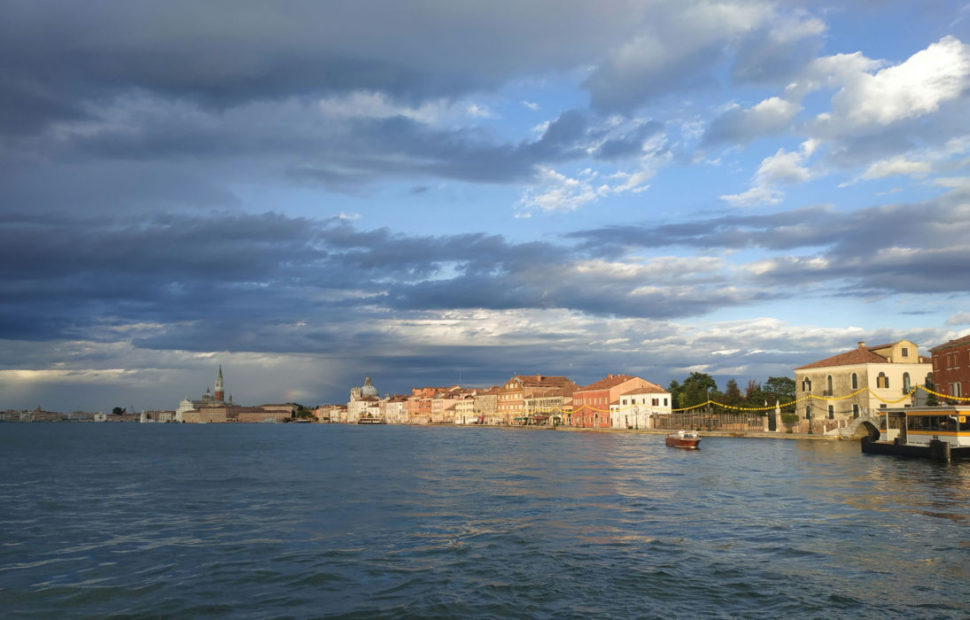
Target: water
x,y
263,521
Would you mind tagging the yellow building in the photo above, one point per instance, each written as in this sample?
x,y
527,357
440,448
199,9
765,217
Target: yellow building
x,y
889,372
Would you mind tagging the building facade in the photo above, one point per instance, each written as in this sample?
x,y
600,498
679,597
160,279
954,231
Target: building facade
x,y
951,368
860,381
592,403
513,394
636,408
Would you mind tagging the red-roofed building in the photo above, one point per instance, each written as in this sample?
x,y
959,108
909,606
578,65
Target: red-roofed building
x,y
591,404
951,367
840,382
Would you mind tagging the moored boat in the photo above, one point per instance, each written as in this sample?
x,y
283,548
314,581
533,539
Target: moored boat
x,y
937,433
686,440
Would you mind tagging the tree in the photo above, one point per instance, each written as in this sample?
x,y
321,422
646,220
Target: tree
x,y
674,390
695,389
754,396
781,389
117,411
732,393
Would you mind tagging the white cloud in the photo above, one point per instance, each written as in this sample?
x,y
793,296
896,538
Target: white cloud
x,y
960,318
475,110
914,88
557,192
753,197
782,168
738,124
532,105
898,165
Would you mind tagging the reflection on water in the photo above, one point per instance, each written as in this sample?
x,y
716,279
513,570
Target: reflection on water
x,y
395,521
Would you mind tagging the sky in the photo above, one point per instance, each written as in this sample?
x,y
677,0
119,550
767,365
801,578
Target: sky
x,y
438,192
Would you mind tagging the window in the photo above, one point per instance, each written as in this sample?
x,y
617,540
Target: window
x,y
806,385
955,390
828,384
905,352
882,381
656,401
906,386
855,381
855,411
831,412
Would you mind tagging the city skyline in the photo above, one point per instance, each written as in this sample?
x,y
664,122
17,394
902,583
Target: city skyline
x,y
427,191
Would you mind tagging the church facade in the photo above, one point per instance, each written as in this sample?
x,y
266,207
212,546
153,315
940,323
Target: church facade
x,y
214,408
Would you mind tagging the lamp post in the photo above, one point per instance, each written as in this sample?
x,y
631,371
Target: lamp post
x,y
809,416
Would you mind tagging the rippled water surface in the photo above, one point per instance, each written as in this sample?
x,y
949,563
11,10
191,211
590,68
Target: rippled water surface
x,y
325,520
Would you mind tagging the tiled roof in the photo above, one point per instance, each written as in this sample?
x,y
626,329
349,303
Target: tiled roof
x,y
606,383
653,388
543,381
855,356
952,343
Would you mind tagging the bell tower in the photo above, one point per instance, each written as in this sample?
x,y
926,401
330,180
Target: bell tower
x,y
220,392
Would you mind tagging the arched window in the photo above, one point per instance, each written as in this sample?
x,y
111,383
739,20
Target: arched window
x,y
806,385
882,381
906,386
855,381
828,385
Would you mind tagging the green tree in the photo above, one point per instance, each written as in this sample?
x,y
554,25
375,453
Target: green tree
x,y
732,393
117,411
696,388
754,396
674,390
781,389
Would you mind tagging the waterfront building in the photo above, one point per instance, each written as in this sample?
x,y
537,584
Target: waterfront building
x,y
513,394
860,381
214,408
156,416
951,367
465,410
638,407
364,403
396,409
420,401
549,408
485,406
591,404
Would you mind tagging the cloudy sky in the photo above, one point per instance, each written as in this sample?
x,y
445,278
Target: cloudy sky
x,y
434,192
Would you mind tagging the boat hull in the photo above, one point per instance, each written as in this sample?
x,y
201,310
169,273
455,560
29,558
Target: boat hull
x,y
684,443
937,450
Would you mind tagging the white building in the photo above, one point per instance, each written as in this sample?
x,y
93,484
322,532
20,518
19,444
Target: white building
x,y
637,408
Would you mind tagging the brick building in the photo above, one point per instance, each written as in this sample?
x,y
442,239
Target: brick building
x,y
951,367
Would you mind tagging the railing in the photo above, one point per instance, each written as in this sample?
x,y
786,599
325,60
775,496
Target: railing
x,y
711,421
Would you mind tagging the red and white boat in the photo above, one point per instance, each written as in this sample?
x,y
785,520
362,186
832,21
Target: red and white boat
x,y
686,440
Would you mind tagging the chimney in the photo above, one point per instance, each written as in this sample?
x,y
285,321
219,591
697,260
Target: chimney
x,y
862,344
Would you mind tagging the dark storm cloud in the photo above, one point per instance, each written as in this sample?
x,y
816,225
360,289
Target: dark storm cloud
x,y
242,277
226,53
911,248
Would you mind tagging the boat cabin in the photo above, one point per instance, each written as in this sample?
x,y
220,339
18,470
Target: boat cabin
x,y
919,426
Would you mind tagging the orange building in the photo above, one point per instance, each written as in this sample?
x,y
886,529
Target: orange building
x,y
512,396
591,404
